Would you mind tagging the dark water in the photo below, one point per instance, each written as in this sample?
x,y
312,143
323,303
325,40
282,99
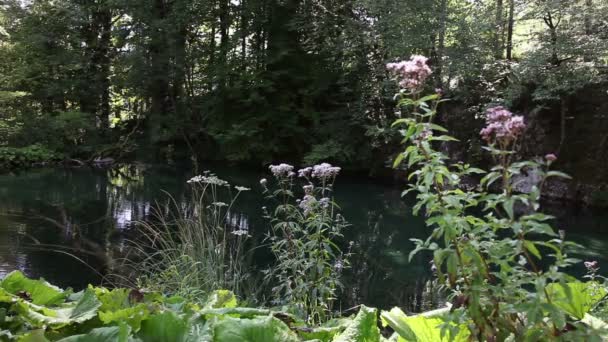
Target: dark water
x,y
47,215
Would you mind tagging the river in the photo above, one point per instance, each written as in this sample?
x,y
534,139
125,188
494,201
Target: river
x,y
63,224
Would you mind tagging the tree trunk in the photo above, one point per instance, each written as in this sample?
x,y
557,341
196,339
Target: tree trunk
x,y
159,64
548,18
244,28
441,43
563,119
588,20
510,29
224,17
105,66
212,45
499,30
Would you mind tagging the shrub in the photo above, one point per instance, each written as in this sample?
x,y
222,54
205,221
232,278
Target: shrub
x,y
17,157
488,245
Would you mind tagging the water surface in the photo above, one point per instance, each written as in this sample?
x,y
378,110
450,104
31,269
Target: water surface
x,y
49,215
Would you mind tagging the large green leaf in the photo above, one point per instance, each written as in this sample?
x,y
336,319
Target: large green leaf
x,y
133,316
221,299
420,328
266,329
34,336
40,292
112,300
162,327
77,312
364,328
106,334
576,298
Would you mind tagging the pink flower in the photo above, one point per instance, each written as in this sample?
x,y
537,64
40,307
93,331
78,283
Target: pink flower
x,y
592,266
551,157
411,74
502,125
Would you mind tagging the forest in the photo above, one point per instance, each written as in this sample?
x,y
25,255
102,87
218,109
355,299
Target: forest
x,y
303,170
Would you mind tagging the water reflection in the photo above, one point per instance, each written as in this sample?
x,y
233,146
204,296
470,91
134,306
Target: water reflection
x,y
47,213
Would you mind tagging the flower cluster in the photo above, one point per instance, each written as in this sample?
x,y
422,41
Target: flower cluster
x,y
305,172
282,170
412,74
325,171
592,266
208,179
307,204
502,125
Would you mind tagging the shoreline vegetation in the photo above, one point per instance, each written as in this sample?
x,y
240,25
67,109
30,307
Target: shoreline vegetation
x,y
502,271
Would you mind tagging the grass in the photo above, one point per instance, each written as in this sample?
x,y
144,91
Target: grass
x,y
189,248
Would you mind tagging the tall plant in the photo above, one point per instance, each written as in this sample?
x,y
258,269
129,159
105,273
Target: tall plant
x,y
192,249
491,246
303,240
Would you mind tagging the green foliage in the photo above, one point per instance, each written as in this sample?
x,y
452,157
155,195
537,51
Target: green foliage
x,y
490,261
18,157
303,239
80,317
192,251
423,328
578,298
363,328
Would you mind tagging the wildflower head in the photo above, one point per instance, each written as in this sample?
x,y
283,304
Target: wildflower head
x,y
411,74
263,182
592,266
325,171
502,125
281,170
208,178
550,157
307,204
305,172
308,189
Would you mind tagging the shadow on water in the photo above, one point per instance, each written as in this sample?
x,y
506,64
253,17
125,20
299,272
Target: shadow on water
x,y
47,213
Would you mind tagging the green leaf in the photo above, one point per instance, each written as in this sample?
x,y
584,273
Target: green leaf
x,y
106,334
529,245
436,127
166,326
236,312
420,328
34,336
267,329
558,174
363,328
443,138
132,316
398,160
221,299
41,292
429,98
76,312
396,319
576,298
